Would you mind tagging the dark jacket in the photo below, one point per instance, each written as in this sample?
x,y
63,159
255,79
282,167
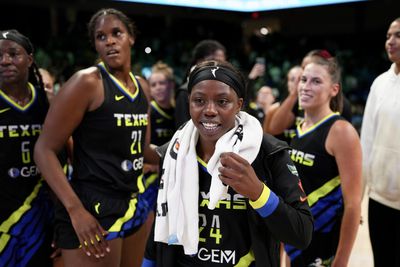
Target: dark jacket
x,y
291,222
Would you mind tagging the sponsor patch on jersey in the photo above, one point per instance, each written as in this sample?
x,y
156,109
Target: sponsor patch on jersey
x,y
174,150
292,169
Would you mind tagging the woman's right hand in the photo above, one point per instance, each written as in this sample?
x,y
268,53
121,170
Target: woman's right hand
x,y
90,233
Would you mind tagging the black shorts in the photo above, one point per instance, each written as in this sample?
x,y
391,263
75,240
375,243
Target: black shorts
x,y
121,217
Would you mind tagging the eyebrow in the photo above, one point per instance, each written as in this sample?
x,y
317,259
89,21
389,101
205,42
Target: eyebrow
x,y
394,33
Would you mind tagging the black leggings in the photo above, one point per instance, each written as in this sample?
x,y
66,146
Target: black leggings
x,y
384,231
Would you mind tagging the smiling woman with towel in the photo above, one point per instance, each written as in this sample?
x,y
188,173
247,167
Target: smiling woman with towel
x,y
228,194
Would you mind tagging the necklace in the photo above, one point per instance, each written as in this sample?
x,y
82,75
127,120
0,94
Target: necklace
x,y
21,102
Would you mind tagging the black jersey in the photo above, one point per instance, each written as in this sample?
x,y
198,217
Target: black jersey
x,y
19,129
109,142
321,182
224,235
315,165
265,231
162,124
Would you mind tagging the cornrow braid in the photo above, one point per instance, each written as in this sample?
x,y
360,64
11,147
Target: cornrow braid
x,y
35,77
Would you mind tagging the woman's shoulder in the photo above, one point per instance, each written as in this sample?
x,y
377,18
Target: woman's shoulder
x,y
88,75
341,127
342,135
84,79
84,86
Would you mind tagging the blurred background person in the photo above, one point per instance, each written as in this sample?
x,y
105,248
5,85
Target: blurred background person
x,y
381,156
162,86
292,81
49,83
264,100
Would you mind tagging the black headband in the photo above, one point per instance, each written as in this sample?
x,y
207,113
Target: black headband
x,y
15,36
218,73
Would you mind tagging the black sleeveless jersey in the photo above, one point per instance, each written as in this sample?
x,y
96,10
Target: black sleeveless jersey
x,y
162,124
224,234
109,142
19,129
319,172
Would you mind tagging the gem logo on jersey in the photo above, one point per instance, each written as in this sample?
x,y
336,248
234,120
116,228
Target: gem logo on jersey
x,y
128,165
217,255
25,172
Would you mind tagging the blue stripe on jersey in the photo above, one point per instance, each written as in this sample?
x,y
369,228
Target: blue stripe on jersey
x,y
31,248
326,210
40,213
292,252
27,234
26,220
328,227
323,203
140,211
148,263
15,217
9,254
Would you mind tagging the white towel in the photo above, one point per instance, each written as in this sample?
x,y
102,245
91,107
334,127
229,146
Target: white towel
x,y
177,201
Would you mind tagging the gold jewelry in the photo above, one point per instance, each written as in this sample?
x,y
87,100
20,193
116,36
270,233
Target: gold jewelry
x,y
20,102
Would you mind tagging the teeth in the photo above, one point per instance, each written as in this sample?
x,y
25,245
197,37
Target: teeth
x,y
210,126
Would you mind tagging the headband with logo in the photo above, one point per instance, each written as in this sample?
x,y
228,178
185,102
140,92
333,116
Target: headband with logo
x,y
15,36
218,73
